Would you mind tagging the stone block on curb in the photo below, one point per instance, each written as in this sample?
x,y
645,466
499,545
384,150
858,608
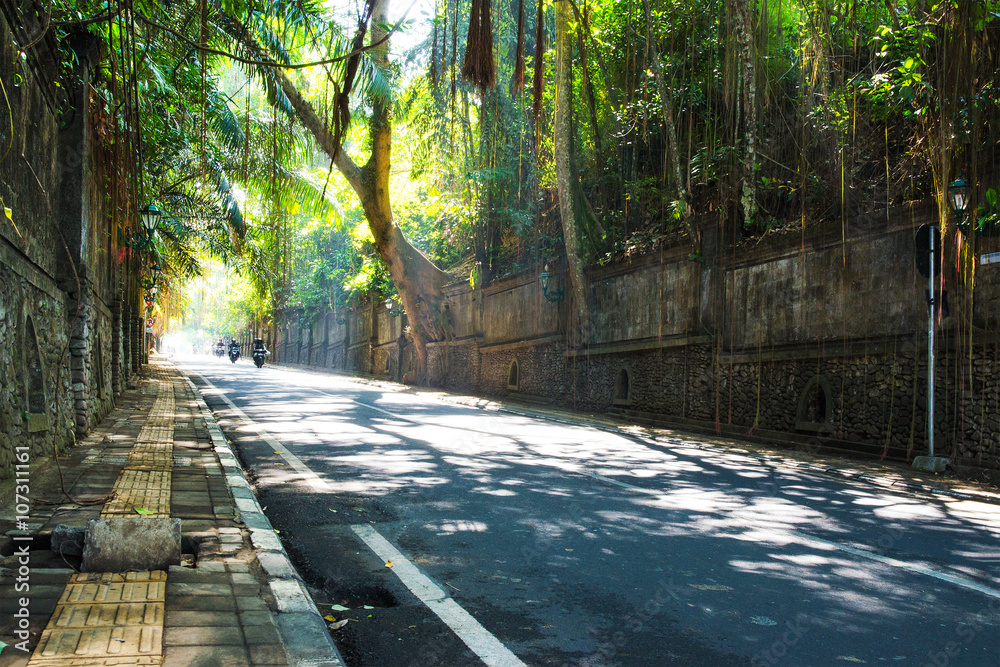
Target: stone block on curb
x,y
256,520
121,544
237,481
247,505
291,596
243,492
307,640
276,565
265,540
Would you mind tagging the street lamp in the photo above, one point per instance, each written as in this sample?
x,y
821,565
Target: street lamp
x,y
150,216
149,284
555,295
958,196
393,307
958,199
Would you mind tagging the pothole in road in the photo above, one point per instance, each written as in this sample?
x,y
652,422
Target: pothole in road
x,y
356,596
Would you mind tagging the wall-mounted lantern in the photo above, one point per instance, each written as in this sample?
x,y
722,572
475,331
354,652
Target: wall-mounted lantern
x,y
554,295
150,217
958,197
393,307
149,284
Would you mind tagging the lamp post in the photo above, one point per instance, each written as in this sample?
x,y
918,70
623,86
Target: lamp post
x,y
393,307
957,199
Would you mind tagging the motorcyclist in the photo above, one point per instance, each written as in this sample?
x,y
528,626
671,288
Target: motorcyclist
x,y
234,346
258,351
220,348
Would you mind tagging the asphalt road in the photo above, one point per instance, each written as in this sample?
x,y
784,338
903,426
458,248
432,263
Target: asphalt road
x,y
524,540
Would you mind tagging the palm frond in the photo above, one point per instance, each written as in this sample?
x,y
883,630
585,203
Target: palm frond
x,y
227,127
230,208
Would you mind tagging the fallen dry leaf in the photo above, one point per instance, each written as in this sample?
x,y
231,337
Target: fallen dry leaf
x,y
339,624
710,587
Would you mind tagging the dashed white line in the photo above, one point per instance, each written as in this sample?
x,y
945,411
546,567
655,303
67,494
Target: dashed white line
x,y
483,643
319,484
903,565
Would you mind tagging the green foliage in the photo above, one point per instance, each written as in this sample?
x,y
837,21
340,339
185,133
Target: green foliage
x,y
853,104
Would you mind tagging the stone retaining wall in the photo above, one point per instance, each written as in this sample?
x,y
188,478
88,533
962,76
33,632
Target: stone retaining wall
x,y
821,334
65,346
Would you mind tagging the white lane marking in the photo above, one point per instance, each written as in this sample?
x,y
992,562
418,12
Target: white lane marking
x,y
315,481
321,485
624,485
364,405
893,562
484,644
462,623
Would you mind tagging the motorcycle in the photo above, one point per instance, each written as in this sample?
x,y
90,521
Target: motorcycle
x,y
258,351
234,353
220,350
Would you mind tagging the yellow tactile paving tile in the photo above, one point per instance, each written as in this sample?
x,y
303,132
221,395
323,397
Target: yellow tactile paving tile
x,y
113,641
106,619
107,615
115,588
151,456
157,434
104,661
145,489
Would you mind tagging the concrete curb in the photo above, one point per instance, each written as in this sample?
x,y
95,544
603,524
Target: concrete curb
x,y
302,628
498,406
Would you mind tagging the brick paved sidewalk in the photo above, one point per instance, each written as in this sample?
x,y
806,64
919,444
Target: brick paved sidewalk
x,y
159,454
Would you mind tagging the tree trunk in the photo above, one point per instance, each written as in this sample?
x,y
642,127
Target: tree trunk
x,y
743,16
563,149
667,106
417,279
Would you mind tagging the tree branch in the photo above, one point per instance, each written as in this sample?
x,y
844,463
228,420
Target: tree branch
x,y
271,63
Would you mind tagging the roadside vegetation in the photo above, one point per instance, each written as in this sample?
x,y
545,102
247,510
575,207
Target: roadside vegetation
x,y
299,145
